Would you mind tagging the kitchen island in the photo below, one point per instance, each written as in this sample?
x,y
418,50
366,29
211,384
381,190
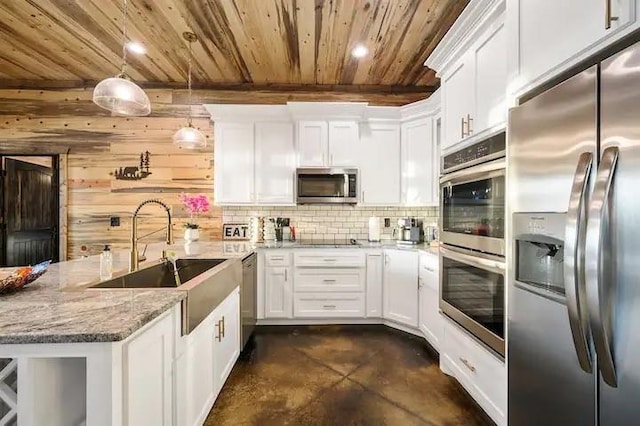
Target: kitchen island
x,y
109,356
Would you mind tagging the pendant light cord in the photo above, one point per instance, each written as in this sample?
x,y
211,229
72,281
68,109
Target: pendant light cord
x,y
189,85
123,71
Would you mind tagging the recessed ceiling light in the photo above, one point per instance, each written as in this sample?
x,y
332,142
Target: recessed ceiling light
x,y
360,51
135,47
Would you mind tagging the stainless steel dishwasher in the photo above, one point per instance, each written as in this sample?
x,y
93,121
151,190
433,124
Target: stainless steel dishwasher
x,y
248,302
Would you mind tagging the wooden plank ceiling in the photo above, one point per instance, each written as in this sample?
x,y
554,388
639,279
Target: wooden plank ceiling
x,y
281,45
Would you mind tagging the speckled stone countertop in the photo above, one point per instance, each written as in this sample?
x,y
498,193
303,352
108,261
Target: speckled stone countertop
x,y
385,244
58,309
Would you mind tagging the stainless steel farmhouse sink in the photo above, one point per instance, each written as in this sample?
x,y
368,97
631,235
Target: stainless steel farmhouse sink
x,y
162,275
207,283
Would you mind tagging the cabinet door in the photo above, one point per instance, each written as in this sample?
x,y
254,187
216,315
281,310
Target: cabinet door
x,y
278,293
430,318
401,287
234,163
551,32
312,143
418,173
226,340
374,285
490,80
199,371
380,164
343,143
458,101
275,163
148,377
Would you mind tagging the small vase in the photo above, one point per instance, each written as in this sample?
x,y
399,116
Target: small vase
x,y
191,234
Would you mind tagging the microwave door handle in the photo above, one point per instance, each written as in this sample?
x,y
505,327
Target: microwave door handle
x,y
345,185
574,261
597,278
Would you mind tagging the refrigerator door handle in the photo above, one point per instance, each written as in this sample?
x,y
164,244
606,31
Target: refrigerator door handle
x,y
597,278
574,262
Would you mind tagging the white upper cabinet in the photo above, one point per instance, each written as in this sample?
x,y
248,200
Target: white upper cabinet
x,y
234,163
327,143
490,76
274,163
313,143
551,36
380,164
457,102
472,62
418,172
475,89
343,143
401,286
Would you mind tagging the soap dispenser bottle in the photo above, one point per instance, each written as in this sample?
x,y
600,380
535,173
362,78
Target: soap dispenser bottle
x,y
106,263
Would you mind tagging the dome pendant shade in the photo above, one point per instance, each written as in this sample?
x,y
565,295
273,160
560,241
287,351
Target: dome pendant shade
x,y
121,96
189,137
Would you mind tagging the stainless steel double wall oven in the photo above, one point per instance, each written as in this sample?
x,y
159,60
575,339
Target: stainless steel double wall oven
x,y
472,230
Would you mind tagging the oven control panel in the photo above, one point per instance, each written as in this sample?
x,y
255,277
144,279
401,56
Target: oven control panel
x,y
485,150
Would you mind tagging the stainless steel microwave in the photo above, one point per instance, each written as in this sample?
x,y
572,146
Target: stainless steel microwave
x,y
327,185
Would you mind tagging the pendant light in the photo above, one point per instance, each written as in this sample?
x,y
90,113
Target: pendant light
x,y
119,94
189,136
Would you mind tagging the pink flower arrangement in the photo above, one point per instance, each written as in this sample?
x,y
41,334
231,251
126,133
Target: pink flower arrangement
x,y
195,204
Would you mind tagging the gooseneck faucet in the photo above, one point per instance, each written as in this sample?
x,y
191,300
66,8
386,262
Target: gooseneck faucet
x,y
135,258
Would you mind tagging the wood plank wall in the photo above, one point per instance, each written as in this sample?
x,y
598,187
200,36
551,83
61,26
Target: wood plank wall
x,y
95,144
66,121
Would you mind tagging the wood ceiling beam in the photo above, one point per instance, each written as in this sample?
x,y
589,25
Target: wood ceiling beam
x,y
246,93
274,87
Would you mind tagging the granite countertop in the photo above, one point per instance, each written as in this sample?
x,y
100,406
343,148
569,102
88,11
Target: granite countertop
x,y
57,308
385,244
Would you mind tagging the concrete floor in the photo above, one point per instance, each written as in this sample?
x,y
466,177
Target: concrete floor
x,y
341,375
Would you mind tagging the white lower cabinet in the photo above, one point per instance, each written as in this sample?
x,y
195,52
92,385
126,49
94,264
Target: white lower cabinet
x,y
278,292
374,285
148,380
400,292
428,286
481,373
226,340
210,352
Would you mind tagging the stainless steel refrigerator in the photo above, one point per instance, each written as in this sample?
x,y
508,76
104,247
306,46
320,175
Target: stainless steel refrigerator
x,y
573,345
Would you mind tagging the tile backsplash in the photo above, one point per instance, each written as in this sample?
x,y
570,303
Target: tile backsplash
x,y
332,222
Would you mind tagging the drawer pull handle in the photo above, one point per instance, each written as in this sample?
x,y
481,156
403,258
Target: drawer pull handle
x,y
329,306
330,260
276,258
329,281
469,366
429,269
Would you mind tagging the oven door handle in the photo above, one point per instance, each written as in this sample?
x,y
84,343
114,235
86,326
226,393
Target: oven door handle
x,y
483,171
471,260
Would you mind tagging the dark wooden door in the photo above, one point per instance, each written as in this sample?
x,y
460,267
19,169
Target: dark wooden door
x,y
30,213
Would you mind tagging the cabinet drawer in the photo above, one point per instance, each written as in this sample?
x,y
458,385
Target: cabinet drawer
x,y
482,373
277,259
329,280
330,259
328,305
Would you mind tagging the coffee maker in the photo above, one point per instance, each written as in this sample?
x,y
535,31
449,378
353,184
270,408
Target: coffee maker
x,y
409,231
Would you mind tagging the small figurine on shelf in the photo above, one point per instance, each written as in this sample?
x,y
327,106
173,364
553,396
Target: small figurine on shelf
x,y
195,204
